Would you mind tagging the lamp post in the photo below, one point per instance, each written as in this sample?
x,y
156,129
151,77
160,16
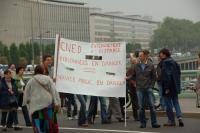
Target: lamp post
x,y
40,31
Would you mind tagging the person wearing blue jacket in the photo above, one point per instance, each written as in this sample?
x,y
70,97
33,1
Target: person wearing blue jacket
x,y
7,89
171,85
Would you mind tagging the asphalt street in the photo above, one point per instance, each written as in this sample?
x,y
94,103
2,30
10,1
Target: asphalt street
x,y
70,126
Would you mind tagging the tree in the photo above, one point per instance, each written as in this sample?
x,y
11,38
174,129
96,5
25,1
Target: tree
x,y
36,49
49,49
3,60
1,48
22,61
131,48
29,52
14,54
22,50
176,34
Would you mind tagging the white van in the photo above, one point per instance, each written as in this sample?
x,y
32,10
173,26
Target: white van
x,y
30,68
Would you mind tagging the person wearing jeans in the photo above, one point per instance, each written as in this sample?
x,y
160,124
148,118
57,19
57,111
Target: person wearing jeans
x,y
104,113
171,85
7,89
148,93
144,75
82,119
71,102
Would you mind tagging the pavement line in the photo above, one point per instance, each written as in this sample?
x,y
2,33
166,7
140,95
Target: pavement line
x,y
104,130
98,130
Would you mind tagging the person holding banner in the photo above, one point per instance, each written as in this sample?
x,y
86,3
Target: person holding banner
x,y
114,108
145,76
47,64
132,87
104,113
82,118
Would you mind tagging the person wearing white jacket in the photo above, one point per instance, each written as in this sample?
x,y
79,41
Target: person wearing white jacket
x,y
43,102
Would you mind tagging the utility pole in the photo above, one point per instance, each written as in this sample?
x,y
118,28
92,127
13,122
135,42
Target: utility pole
x,y
33,54
40,30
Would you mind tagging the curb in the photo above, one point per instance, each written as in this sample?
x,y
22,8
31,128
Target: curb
x,y
194,115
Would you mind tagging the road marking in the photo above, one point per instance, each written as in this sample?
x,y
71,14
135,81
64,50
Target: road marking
x,y
97,130
104,130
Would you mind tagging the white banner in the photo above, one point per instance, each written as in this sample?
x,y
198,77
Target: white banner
x,y
91,68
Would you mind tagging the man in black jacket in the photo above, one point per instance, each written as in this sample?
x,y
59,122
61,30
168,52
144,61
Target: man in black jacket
x,y
171,84
145,76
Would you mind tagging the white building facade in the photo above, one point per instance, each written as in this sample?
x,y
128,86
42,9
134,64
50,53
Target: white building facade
x,y
25,20
118,27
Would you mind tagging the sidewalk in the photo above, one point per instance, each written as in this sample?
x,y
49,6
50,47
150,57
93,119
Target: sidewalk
x,y
188,108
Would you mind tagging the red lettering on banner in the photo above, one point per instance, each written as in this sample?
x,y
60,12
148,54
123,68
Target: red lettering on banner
x,y
111,63
66,77
115,83
70,47
84,81
99,82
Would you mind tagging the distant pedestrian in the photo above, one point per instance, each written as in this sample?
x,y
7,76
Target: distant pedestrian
x,y
171,85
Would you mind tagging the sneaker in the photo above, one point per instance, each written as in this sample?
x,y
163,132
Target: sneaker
x,y
69,118
9,126
18,128
84,125
181,124
156,126
169,125
75,117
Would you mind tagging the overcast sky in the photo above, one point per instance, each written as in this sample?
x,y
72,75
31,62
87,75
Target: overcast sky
x,y
158,9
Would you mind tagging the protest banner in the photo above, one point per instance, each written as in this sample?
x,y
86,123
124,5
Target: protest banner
x,y
96,69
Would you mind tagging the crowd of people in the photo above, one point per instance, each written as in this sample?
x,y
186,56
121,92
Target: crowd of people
x,y
40,102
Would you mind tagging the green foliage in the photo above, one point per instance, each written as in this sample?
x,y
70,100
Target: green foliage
x,y
36,49
131,48
177,34
14,54
22,61
49,49
22,50
3,60
23,54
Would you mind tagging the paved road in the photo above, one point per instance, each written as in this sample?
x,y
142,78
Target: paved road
x,y
70,126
